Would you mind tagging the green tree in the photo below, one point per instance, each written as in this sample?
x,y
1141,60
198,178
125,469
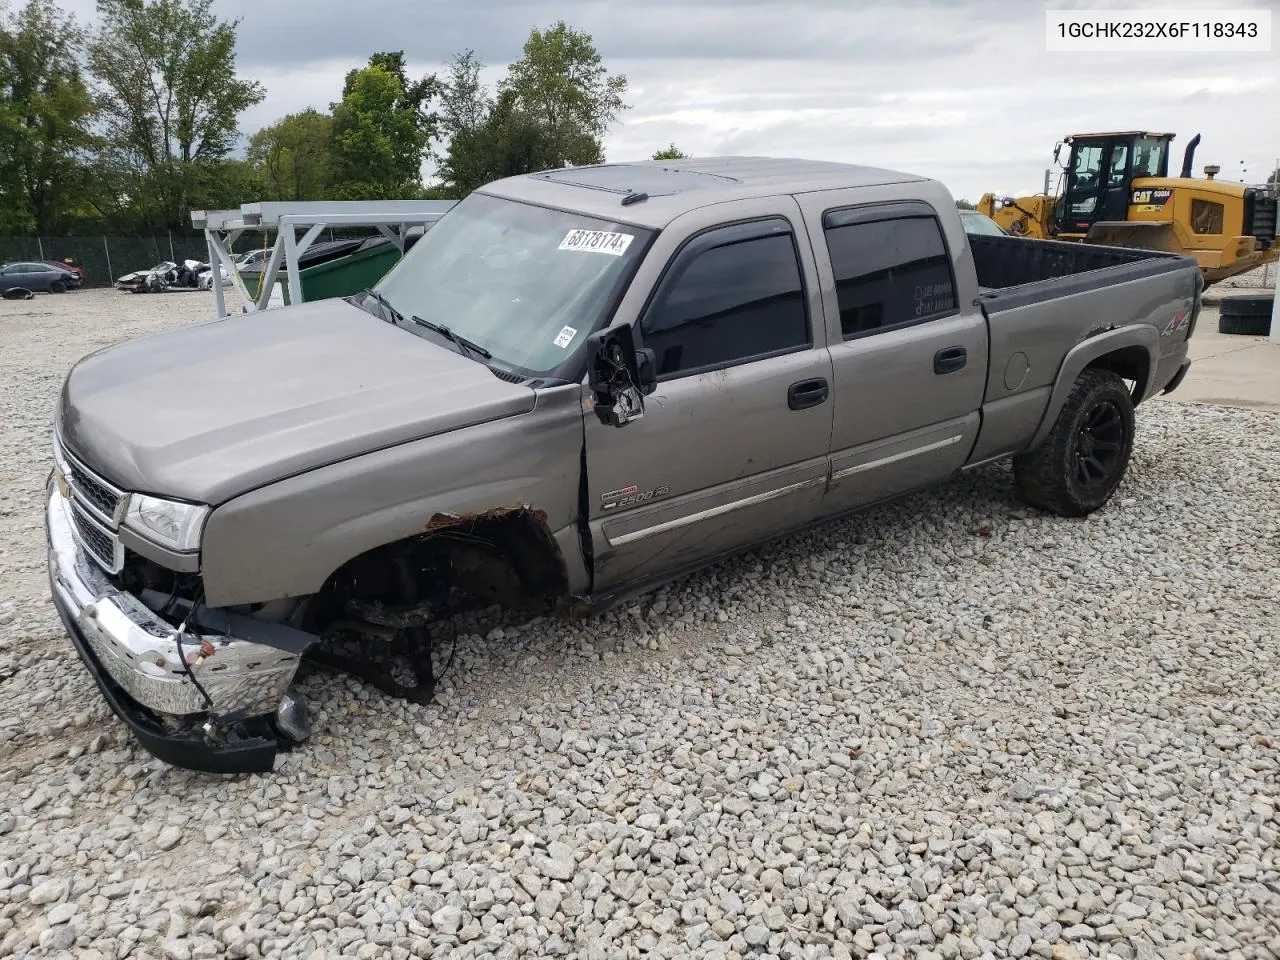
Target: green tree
x,y
45,113
171,102
965,205
294,156
465,109
418,95
671,152
516,142
465,103
561,85
552,109
382,130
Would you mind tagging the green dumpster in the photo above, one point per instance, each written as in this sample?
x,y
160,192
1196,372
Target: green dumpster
x,y
344,276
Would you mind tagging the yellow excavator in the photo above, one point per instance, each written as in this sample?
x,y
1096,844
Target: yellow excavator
x,y
1115,190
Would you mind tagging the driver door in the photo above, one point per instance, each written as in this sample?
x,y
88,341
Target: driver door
x,y
732,447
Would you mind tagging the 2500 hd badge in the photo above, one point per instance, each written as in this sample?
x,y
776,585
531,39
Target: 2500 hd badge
x,y
630,496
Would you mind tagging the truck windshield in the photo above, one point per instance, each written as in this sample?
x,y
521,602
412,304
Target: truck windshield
x,y
526,283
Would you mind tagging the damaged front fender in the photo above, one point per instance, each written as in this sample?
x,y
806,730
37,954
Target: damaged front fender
x,y
505,554
453,521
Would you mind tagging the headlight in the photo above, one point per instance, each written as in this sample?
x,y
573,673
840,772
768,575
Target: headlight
x,y
170,524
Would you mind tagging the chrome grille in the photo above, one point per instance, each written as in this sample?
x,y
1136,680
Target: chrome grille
x,y
100,544
102,499
96,508
94,492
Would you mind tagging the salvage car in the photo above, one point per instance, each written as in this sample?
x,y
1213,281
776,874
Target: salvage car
x,y
578,385
151,280
36,276
76,271
167,275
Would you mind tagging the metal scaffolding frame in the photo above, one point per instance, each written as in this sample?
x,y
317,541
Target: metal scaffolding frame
x,y
222,228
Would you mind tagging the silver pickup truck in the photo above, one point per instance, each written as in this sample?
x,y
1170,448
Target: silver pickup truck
x,y
579,384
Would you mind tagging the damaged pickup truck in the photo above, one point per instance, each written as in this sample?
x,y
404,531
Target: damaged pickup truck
x,y
581,383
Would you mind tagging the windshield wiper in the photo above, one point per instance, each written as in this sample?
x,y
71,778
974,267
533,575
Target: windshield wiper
x,y
466,345
396,315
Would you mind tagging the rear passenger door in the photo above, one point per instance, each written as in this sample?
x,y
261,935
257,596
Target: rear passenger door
x,y
732,447
908,345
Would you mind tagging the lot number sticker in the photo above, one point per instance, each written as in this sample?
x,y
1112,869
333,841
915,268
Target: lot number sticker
x,y
565,337
597,241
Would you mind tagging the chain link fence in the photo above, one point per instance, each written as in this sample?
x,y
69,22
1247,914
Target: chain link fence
x,y
106,258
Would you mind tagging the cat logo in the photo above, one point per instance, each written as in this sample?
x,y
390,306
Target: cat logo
x,y
1149,197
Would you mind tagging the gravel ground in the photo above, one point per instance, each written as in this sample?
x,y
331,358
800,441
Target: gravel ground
x,y
1263,277
947,728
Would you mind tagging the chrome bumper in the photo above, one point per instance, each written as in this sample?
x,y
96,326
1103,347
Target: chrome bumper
x,y
141,653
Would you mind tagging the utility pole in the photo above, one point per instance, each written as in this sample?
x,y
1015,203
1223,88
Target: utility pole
x,y
1047,175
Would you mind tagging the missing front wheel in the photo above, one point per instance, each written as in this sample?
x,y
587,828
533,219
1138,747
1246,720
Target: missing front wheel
x,y
392,646
401,666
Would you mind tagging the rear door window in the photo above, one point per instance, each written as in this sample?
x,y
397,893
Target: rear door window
x,y
889,273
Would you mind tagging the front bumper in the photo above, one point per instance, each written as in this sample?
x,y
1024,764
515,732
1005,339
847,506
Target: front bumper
x,y
214,722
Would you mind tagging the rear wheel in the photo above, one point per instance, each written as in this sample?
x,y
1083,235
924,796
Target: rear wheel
x,y
1078,468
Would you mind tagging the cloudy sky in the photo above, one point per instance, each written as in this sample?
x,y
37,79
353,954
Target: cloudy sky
x,y
961,90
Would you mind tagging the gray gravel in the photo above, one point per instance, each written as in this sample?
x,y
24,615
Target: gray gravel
x,y
1263,277
948,728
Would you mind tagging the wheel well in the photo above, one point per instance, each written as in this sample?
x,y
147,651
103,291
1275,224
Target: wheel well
x,y
1129,363
505,555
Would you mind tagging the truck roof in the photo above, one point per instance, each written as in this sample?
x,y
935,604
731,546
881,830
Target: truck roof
x,y
674,187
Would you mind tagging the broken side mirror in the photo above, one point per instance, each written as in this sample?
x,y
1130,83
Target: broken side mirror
x,y
615,375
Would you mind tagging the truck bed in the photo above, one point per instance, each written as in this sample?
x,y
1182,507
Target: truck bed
x,y
1014,272
1043,298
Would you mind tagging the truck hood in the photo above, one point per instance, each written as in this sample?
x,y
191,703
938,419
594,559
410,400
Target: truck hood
x,y
209,411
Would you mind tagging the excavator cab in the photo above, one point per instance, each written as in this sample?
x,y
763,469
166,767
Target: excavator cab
x,y
1115,190
1099,174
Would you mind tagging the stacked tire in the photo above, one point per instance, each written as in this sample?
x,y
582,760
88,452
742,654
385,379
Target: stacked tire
x,y
1246,316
